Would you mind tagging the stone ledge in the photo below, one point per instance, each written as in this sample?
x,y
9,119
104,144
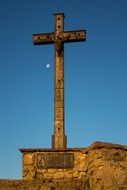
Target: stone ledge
x,y
95,145
106,145
50,150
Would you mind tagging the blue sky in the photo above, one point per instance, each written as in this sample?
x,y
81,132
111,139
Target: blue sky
x,y
95,76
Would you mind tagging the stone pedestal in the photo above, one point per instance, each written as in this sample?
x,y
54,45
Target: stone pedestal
x,y
53,164
99,166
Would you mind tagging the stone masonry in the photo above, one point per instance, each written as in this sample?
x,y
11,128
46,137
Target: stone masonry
x,y
53,164
102,166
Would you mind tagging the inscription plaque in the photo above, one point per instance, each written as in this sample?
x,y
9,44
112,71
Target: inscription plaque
x,y
55,160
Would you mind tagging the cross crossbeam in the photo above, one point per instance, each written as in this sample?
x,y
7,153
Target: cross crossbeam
x,y
66,37
59,37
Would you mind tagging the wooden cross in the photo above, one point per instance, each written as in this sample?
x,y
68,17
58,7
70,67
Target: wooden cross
x,y
59,37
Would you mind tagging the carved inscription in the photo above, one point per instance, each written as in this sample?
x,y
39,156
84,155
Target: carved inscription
x,y
59,104
59,114
58,94
55,160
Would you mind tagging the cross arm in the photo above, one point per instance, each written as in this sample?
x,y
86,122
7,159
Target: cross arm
x,y
74,36
45,38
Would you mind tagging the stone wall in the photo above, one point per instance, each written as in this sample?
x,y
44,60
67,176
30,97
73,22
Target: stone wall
x,y
41,185
106,166
102,166
53,164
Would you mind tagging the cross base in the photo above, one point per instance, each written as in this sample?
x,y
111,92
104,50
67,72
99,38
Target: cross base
x,y
58,141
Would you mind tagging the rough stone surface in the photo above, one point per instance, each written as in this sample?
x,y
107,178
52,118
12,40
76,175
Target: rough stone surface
x,y
41,185
102,166
53,164
106,166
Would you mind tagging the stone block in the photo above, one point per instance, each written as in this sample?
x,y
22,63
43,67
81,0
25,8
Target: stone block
x,y
59,175
48,176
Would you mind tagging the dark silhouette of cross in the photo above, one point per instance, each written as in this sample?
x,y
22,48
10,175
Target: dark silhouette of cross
x,y
59,37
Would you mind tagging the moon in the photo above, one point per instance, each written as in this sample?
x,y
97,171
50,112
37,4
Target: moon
x,y
48,65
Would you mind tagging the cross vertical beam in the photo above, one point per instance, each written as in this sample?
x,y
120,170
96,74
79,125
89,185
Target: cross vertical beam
x,y
59,139
59,37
